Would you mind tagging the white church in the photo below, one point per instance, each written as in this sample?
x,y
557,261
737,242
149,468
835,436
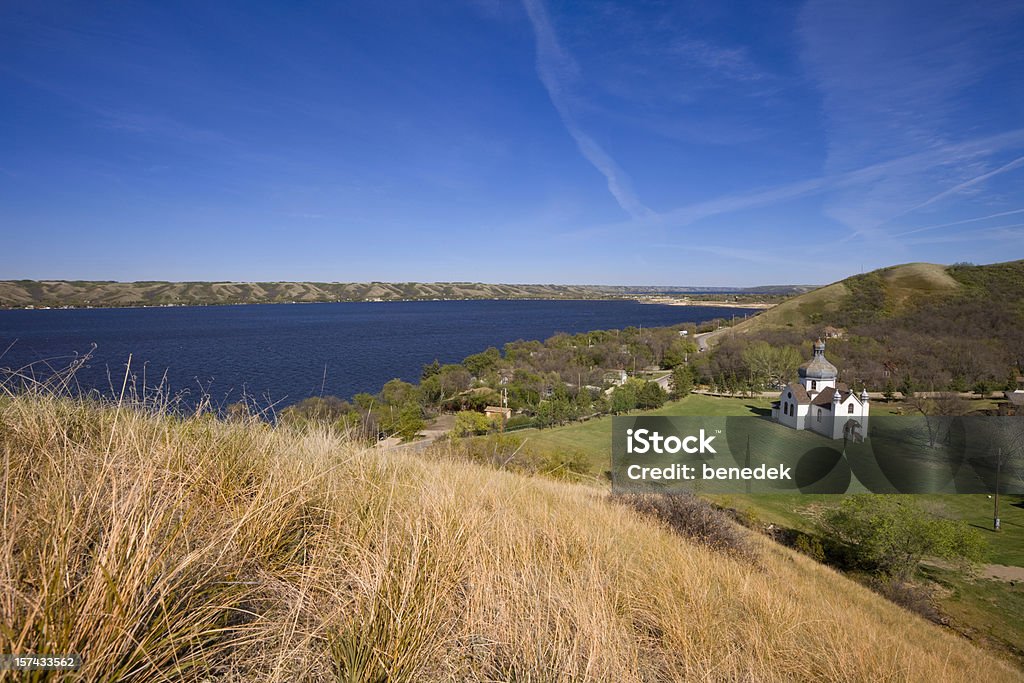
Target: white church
x,y
820,403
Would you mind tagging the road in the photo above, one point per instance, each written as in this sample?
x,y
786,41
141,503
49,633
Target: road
x,y
703,338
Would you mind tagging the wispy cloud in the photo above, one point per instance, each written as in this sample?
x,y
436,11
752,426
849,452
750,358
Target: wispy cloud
x,y
1004,233
557,71
967,184
965,221
726,62
857,180
760,256
906,92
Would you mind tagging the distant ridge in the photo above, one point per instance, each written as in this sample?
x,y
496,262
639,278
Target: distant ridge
x,y
109,294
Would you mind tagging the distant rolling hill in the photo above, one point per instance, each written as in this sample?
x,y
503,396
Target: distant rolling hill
x,y
82,293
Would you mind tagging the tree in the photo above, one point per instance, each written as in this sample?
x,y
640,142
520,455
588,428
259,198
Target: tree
x,y
408,422
908,386
430,370
894,533
770,364
453,379
651,395
678,353
320,409
623,398
364,400
582,403
397,393
958,384
681,381
481,363
470,422
890,390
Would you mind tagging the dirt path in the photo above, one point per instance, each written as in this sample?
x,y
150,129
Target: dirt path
x,y
1002,572
435,430
998,572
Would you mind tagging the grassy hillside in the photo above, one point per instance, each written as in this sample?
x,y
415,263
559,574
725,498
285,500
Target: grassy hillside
x,y
166,549
887,291
919,325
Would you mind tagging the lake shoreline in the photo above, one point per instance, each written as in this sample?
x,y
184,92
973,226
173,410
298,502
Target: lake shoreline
x,y
666,301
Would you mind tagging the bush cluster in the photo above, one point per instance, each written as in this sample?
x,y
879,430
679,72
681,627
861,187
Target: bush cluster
x,y
693,518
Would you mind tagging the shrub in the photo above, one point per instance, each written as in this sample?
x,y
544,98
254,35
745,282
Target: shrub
x,y
510,452
909,596
892,534
810,546
469,423
518,421
692,517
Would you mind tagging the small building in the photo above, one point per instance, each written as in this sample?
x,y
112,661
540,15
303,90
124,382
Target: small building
x,y
820,403
1015,397
498,413
616,377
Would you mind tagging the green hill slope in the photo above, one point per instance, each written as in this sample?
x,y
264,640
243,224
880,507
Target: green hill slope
x,y
917,326
887,291
170,549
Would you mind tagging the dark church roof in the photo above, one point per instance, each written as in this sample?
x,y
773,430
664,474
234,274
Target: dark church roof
x,y
798,391
817,367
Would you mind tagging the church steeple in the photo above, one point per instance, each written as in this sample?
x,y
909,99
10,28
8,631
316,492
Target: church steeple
x,y
817,374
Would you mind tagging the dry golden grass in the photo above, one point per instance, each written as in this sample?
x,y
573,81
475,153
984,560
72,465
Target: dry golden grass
x,y
169,549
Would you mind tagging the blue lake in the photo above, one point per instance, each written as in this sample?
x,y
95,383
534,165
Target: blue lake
x,y
280,352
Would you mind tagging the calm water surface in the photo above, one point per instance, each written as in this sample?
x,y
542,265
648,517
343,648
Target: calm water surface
x,y
280,352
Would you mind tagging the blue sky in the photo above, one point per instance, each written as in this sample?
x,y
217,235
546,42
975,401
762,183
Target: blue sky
x,y
670,143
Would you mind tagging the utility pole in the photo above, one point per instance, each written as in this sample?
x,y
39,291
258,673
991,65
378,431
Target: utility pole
x,y
995,508
504,404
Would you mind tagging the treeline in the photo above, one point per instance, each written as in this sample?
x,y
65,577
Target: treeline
x,y
564,378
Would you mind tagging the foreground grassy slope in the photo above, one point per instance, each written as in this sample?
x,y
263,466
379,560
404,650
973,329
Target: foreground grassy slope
x,y
163,549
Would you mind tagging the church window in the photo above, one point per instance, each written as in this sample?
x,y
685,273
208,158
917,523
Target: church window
x,y
849,409
814,385
819,414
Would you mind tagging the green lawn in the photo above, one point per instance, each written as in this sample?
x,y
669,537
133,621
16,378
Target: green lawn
x,y
1005,547
594,437
986,611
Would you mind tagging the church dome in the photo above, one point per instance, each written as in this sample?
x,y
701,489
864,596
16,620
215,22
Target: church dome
x,y
817,367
